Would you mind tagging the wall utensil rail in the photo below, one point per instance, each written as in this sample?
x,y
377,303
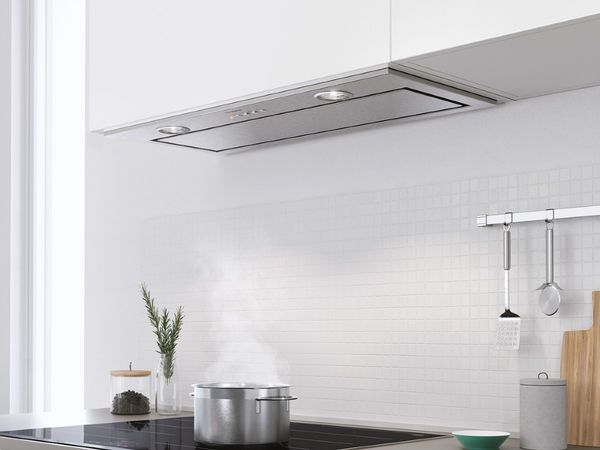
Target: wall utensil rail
x,y
547,215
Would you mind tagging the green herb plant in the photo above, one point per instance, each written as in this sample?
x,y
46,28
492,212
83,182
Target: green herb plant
x,y
166,329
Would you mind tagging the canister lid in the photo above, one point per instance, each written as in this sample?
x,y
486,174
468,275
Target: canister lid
x,y
130,373
543,380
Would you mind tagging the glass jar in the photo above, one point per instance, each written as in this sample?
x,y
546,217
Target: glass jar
x,y
168,398
130,391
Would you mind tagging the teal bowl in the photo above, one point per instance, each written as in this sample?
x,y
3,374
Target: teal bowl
x,y
481,440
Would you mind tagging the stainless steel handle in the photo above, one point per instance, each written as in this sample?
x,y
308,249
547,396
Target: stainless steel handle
x,y
284,398
506,251
549,253
191,394
506,242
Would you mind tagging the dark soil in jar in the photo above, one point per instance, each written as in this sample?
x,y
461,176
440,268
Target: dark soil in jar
x,y
130,402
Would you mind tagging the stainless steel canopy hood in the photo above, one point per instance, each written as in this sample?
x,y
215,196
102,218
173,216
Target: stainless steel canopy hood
x,y
346,102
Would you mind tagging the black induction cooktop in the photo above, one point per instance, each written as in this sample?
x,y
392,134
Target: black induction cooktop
x,y
178,434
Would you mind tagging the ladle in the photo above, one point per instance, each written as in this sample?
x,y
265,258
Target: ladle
x,y
550,295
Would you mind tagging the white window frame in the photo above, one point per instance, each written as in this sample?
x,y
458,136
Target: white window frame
x,y
47,216
19,298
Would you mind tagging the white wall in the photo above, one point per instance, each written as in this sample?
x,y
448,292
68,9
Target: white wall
x,y
378,305
128,182
5,195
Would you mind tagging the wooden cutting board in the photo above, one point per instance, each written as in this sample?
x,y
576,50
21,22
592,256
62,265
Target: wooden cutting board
x,y
580,366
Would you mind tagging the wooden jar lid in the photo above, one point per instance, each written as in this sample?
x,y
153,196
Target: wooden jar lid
x,y
130,373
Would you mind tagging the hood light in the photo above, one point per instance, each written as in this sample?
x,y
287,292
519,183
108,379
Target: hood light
x,y
173,129
333,96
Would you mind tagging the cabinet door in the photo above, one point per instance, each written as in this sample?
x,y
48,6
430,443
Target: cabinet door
x,y
428,25
151,57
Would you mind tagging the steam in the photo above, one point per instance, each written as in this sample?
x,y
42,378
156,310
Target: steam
x,y
242,357
238,346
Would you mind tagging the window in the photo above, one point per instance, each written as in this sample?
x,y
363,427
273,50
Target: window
x,y
44,186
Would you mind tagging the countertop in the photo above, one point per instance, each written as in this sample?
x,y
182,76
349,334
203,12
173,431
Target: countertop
x,y
24,421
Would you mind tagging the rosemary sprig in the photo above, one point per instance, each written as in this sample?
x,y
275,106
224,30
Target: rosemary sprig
x,y
166,330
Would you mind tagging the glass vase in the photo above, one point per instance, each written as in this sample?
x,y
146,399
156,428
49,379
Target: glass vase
x,y
168,398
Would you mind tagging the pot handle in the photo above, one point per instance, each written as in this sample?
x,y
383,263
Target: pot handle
x,y
276,399
284,398
191,394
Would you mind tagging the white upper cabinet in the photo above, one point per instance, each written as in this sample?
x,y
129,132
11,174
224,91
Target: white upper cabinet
x,y
425,26
152,57
546,60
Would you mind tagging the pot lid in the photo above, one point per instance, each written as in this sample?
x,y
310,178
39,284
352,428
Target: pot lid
x,y
130,373
543,380
239,385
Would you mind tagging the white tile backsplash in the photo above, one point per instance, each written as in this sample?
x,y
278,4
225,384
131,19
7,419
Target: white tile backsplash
x,y
377,305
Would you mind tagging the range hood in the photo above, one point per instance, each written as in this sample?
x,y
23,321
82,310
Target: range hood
x,y
342,103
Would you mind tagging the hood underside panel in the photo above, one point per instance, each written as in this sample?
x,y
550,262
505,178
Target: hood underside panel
x,y
370,109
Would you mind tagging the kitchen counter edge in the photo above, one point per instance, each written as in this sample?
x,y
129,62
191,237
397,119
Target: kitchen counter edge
x,y
26,421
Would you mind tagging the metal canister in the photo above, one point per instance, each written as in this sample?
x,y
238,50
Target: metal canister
x,y
543,413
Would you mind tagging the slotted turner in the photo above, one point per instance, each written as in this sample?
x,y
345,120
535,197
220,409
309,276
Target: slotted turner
x,y
509,323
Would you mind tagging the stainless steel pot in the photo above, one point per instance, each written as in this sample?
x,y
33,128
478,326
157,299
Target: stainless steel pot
x,y
241,414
